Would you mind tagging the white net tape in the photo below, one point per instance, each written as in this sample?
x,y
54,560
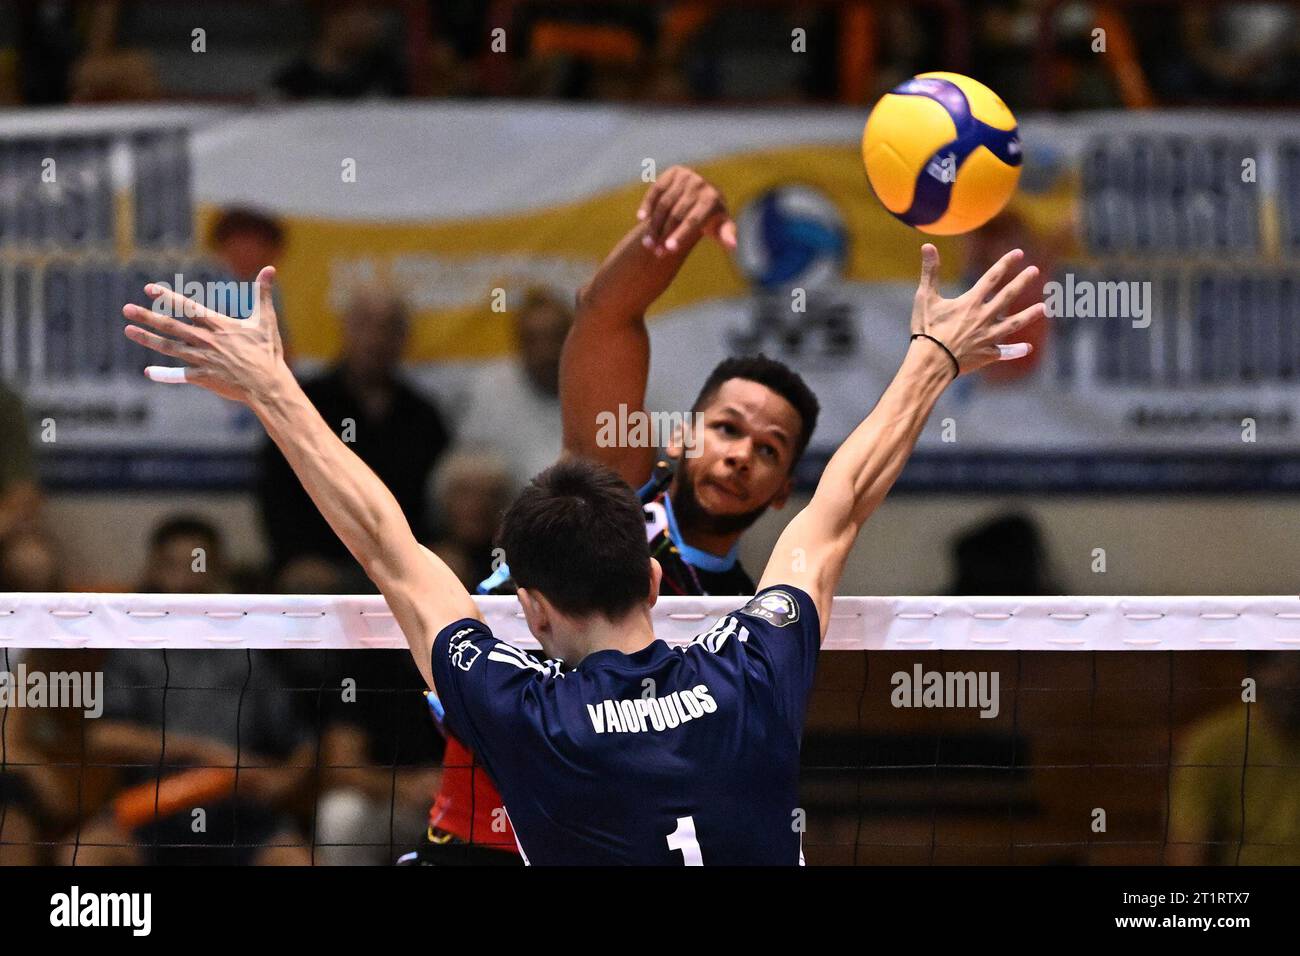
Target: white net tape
x,y
857,623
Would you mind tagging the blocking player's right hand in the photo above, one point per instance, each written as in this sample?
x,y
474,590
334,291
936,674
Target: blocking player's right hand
x,y
236,359
681,207
974,326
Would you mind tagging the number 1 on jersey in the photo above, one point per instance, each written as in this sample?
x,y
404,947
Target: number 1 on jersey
x,y
683,838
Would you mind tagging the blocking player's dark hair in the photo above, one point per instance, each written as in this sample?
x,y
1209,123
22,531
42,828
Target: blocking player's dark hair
x,y
777,376
576,534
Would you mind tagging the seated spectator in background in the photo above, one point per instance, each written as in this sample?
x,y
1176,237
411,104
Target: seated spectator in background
x,y
72,53
43,784
351,57
1241,52
1220,762
185,556
1004,555
392,429
19,830
20,496
585,51
379,748
513,409
218,711
29,561
471,493
379,752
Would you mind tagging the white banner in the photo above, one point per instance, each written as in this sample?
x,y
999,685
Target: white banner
x,y
1169,245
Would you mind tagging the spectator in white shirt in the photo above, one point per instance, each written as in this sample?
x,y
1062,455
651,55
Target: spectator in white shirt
x,y
513,408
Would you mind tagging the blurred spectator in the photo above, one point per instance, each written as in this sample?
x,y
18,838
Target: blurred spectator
x,y
115,76
29,561
185,557
744,53
43,784
396,432
69,53
378,746
379,752
460,37
472,491
19,828
585,51
351,57
244,240
1223,761
514,408
1242,52
165,711
48,42
20,497
1002,556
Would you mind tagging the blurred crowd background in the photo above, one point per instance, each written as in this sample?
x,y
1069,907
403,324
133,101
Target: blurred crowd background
x,y
321,775
1034,52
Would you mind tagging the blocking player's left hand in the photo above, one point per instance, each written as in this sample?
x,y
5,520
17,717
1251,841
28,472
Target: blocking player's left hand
x,y
974,328
236,359
681,207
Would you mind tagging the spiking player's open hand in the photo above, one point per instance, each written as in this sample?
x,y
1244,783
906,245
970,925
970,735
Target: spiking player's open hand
x,y
681,207
237,359
974,326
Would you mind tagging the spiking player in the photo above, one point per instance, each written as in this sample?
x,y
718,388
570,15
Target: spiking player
x,y
705,769
756,416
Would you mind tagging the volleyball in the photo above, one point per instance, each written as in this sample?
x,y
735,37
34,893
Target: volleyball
x,y
942,153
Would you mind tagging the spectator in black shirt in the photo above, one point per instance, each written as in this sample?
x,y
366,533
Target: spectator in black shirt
x,y
354,56
396,432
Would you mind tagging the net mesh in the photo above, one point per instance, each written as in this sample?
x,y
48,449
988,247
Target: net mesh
x,y
261,730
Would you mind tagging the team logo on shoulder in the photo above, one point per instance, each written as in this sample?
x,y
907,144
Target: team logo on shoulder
x,y
463,653
778,608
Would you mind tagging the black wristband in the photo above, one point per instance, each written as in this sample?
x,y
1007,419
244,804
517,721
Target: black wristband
x,y
956,366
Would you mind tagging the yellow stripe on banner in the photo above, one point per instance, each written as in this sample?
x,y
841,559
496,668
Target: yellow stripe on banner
x,y
448,270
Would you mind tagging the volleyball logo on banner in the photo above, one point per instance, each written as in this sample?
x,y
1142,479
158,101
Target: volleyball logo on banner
x,y
792,245
792,235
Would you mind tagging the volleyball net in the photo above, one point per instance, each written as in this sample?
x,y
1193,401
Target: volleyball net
x,y
259,729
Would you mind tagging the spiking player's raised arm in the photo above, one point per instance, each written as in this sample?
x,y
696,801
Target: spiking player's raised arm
x,y
606,360
949,337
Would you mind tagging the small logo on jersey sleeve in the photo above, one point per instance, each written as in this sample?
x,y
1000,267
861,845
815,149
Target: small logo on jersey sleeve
x,y
778,608
463,653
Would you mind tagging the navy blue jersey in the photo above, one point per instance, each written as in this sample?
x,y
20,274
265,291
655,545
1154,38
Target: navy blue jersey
x,y
669,756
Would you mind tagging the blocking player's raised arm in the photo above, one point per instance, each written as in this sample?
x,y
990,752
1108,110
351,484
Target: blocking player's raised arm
x,y
949,337
243,361
606,359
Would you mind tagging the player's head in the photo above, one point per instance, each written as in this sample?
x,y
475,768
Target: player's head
x,y
753,419
575,542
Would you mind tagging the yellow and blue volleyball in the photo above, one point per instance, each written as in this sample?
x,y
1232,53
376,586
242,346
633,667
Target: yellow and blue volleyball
x,y
942,153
